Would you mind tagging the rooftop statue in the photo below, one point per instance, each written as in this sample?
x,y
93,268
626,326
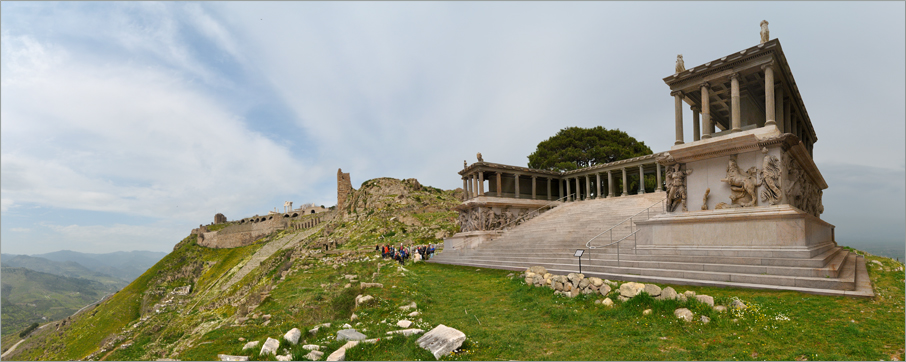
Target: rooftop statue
x,y
480,159
765,33
680,66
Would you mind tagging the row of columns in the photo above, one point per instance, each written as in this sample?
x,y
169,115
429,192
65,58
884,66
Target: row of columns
x,y
610,192
473,185
735,120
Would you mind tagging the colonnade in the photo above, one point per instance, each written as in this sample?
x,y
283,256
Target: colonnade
x,y
473,185
592,187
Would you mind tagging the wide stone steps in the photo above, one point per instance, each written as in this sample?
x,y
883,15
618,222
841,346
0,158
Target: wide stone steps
x,y
845,282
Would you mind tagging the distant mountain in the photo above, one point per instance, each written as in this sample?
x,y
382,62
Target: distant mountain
x,y
125,265
29,296
69,269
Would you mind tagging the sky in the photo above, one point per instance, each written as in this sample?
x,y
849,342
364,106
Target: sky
x,y
125,124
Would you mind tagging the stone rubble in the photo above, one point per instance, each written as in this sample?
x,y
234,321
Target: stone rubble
x,y
409,306
362,299
227,357
312,347
314,355
251,345
684,314
407,332
270,346
441,340
404,323
707,299
350,335
293,336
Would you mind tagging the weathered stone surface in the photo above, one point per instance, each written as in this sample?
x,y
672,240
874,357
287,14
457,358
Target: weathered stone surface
x,y
350,335
705,319
362,299
707,299
631,289
312,347
182,290
537,270
314,330
227,357
607,302
622,298
667,293
558,286
353,317
574,292
286,357
340,353
251,345
293,336
537,280
344,187
646,312
589,290
720,308
681,297
441,340
414,314
653,290
409,306
346,326
575,278
404,323
610,283
270,346
371,285
598,282
684,314
604,290
530,280
689,294
737,304
583,283
407,332
314,355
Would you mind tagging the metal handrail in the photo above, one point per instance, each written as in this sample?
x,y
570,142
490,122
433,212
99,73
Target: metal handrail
x,y
588,243
529,213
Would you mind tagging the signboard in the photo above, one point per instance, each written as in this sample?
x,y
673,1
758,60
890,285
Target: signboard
x,y
579,253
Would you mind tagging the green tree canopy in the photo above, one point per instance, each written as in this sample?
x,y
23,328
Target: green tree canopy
x,y
574,147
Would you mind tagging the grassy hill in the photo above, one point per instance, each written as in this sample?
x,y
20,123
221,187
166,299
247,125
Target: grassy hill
x,y
126,265
68,269
302,286
30,296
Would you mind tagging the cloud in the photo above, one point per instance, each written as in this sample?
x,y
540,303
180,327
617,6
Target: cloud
x,y
5,204
20,230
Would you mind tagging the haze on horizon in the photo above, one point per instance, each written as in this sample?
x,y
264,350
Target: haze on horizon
x,y
125,124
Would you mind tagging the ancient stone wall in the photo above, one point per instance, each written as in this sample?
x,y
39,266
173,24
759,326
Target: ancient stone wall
x,y
344,187
219,219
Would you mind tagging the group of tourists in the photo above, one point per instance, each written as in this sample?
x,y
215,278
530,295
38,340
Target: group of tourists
x,y
403,253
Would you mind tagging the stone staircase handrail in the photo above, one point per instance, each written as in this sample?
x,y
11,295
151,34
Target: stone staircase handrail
x,y
647,209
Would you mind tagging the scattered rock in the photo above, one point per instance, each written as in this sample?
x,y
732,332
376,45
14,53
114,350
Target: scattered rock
x,y
610,283
293,336
583,283
346,326
598,301
681,297
311,347
251,345
720,308
441,340
348,285
350,277
266,317
598,282
622,298
314,355
607,302
653,290
689,294
737,304
537,270
707,299
604,290
705,319
646,312
287,357
266,323
407,332
270,346
182,290
684,314
371,285
414,314
667,293
409,306
631,289
313,330
350,335
404,323
340,353
353,317
241,339
362,299
226,357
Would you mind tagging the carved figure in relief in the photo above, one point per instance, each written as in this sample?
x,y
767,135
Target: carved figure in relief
x,y
480,159
765,33
801,192
770,177
742,185
680,66
676,187
705,199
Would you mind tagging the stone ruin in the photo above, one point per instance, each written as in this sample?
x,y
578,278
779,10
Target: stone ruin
x,y
219,219
344,188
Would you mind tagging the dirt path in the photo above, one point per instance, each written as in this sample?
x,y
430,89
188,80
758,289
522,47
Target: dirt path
x,y
266,252
13,348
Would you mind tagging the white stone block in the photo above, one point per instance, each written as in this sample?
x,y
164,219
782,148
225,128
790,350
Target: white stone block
x,y
441,340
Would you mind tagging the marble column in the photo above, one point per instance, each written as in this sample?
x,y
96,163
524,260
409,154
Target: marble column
x,y
499,184
734,104
769,110
474,185
598,185
469,181
625,183
578,189
548,188
517,185
560,191
778,108
641,180
609,183
696,133
706,111
659,187
481,183
587,187
465,189
533,187
569,194
678,113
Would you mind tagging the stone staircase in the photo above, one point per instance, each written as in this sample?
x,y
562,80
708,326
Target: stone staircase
x,y
551,239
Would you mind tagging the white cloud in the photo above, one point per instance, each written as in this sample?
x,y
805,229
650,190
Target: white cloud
x,y
20,230
5,204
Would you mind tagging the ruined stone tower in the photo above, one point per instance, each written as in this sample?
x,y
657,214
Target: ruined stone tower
x,y
344,187
219,219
